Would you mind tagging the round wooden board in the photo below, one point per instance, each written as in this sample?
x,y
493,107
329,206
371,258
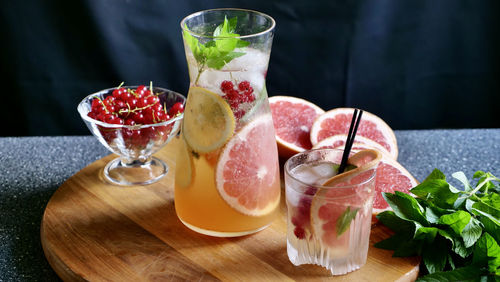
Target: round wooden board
x,y
94,231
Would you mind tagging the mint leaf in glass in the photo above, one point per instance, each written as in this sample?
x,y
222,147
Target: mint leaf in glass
x,y
344,221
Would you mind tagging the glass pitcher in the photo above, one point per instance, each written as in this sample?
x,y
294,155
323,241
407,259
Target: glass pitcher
x,y
227,179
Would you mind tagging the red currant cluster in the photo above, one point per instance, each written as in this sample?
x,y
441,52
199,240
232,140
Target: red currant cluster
x,y
133,107
237,95
301,218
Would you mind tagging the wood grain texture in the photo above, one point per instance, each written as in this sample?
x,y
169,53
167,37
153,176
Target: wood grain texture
x,y
94,231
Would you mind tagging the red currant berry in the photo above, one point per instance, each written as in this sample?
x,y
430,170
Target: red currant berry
x,y
92,115
239,113
117,93
125,95
142,102
151,100
96,103
233,95
119,104
226,86
109,118
299,232
244,85
138,117
141,90
149,117
177,108
132,102
129,121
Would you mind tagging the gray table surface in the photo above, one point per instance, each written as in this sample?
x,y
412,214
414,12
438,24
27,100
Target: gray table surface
x,y
32,168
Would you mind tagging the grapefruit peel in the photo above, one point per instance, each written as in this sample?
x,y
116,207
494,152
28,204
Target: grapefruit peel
x,y
382,127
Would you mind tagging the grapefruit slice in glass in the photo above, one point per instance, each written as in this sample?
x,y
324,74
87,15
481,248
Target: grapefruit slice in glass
x,y
348,191
208,120
337,121
293,118
247,172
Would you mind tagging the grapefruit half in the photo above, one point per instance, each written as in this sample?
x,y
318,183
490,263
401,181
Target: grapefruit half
x,y
337,121
247,172
293,118
391,176
360,143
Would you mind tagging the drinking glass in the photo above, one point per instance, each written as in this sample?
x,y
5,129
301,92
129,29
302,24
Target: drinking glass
x,y
328,225
227,177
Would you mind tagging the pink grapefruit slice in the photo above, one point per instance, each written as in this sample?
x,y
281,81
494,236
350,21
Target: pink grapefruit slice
x,y
360,143
391,176
247,172
350,190
337,121
293,118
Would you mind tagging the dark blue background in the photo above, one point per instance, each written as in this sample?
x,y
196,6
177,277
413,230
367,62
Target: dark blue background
x,y
416,64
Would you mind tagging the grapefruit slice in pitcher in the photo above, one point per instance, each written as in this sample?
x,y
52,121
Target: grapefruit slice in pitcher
x,y
247,172
293,118
337,121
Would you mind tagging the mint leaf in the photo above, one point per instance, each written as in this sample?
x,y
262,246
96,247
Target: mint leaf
x,y
405,206
460,176
426,234
218,52
435,255
344,221
485,214
459,247
492,200
457,220
242,43
219,61
435,174
471,232
436,191
194,45
433,212
491,227
394,242
395,223
487,209
487,253
409,248
467,273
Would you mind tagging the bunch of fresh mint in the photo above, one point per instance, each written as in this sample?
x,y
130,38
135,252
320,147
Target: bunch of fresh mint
x,y
218,52
457,232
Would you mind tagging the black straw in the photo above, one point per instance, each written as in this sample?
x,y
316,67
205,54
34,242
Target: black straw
x,y
356,119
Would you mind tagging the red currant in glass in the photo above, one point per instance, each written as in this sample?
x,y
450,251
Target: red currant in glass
x,y
177,108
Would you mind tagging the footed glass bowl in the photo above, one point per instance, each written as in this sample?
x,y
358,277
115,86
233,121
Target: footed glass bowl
x,y
134,144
